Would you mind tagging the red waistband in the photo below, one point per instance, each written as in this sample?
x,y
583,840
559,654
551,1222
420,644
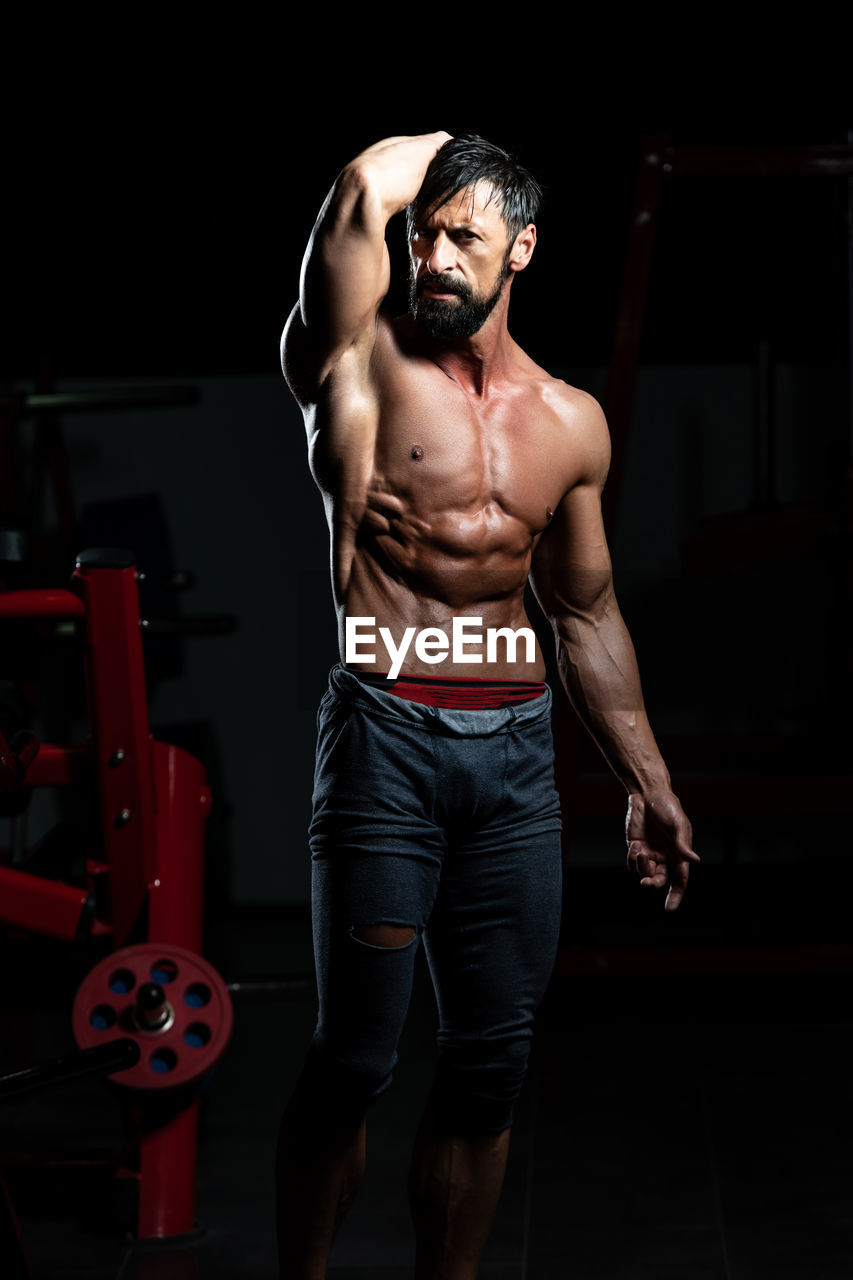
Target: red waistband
x,y
457,692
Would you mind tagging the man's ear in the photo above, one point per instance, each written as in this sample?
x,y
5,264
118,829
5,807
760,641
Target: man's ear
x,y
522,249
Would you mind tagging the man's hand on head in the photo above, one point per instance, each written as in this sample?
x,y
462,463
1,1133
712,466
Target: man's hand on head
x,y
660,843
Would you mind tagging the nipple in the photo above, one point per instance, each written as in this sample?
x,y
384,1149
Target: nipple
x,y
417,452
548,513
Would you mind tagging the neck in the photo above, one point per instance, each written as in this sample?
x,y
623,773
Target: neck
x,y
478,362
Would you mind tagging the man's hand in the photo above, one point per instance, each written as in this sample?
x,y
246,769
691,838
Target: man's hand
x,y
660,843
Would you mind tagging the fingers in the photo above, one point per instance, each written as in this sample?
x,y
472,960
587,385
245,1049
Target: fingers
x,y
636,850
653,874
658,879
642,860
673,899
684,850
682,841
658,872
660,843
677,886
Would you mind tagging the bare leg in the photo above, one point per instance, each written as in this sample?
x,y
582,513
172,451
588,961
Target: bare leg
x,y
454,1187
318,1173
320,1164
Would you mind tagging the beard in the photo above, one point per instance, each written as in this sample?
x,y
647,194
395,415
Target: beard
x,y
461,318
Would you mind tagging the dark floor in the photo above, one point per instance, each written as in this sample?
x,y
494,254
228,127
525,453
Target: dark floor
x,y
674,1126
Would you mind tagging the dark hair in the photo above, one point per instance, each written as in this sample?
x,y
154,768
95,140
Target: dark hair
x,y
466,160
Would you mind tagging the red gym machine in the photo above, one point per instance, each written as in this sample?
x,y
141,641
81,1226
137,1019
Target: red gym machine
x,y
143,894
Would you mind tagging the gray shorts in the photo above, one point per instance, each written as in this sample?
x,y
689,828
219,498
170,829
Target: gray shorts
x,y
446,821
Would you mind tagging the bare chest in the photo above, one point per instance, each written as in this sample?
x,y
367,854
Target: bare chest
x,y
461,470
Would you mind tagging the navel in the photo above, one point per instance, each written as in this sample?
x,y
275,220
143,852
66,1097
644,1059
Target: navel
x,y
417,452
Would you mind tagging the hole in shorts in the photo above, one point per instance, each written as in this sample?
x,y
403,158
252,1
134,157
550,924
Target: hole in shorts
x,y
389,937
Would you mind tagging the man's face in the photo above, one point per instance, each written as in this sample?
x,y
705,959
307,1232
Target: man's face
x,y
459,263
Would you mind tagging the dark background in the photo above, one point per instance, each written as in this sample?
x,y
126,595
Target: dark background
x,y
158,237
159,188
157,205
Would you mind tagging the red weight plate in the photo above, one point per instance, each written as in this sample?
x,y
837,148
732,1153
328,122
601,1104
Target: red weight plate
x,y
197,1017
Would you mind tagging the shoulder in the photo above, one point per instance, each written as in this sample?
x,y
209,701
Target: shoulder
x,y
582,425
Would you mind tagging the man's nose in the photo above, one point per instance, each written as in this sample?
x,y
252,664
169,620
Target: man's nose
x,y
443,255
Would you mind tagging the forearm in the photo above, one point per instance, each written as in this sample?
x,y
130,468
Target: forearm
x,y
598,667
346,271
346,267
394,169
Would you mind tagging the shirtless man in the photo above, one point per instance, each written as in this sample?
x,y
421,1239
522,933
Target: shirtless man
x,y
452,469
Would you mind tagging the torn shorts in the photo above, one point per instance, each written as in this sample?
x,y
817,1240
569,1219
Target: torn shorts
x,y
448,822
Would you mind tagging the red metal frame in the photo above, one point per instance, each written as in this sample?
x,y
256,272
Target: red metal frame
x,y
153,801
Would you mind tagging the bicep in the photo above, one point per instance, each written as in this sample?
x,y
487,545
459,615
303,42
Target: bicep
x,y
345,275
571,571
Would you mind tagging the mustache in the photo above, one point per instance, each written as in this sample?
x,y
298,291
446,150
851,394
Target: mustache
x,y
444,283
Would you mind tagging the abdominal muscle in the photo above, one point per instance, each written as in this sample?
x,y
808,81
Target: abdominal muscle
x,y
435,509
420,602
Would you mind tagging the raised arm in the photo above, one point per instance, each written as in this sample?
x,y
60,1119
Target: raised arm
x,y
345,271
571,575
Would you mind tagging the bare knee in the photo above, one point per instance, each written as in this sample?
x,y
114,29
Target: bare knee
x,y
391,936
